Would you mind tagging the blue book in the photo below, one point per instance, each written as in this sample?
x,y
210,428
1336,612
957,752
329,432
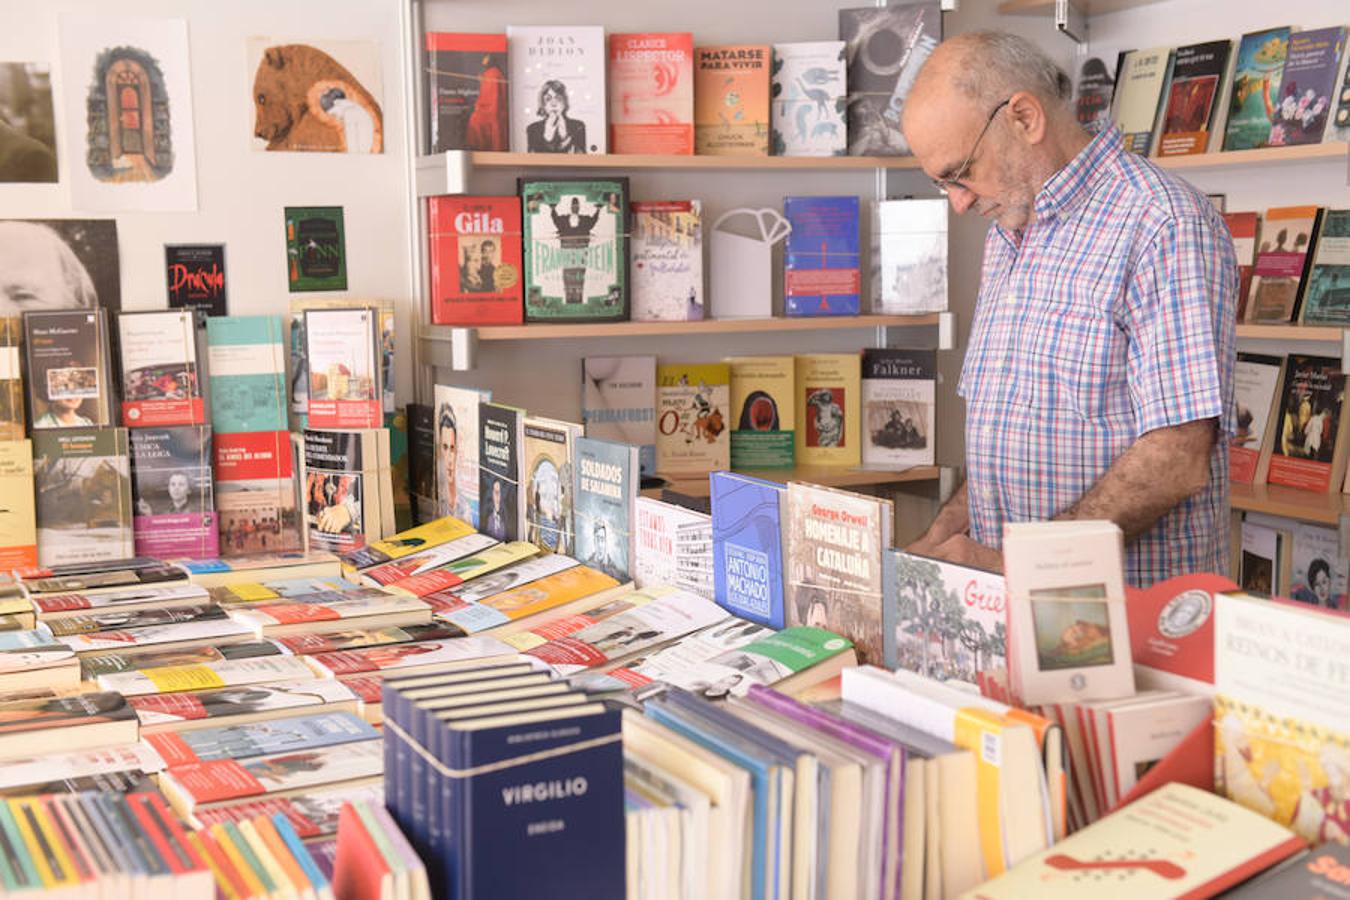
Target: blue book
x,y
317,880
822,267
277,736
248,373
747,516
604,505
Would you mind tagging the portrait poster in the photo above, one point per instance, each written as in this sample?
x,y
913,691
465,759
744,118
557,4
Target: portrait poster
x,y
315,96
27,124
48,264
128,114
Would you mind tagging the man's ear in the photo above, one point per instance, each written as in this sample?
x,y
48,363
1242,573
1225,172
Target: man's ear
x,y
1027,116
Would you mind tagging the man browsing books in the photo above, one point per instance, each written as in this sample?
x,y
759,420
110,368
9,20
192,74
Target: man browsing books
x,y
1099,378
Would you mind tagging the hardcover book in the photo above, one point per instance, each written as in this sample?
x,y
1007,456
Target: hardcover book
x,y
500,471
822,274
171,487
68,372
1256,381
666,535
1281,269
11,379
196,277
747,521
731,100
835,542
1138,87
557,81
604,517
1197,75
618,403
316,249
885,47
692,407
18,512
83,481
899,389
343,351
163,368
1308,86
651,93
1326,300
1092,100
548,453
971,602
1243,227
467,91
828,404
763,412
342,489
457,438
255,493
808,91
575,234
667,265
247,362
1308,451
475,260
910,262
1257,80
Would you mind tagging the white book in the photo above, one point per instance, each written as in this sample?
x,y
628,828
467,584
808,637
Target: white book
x,y
910,268
254,702
809,89
226,673
271,619
557,89
211,631
667,260
455,414
484,586
659,529
139,757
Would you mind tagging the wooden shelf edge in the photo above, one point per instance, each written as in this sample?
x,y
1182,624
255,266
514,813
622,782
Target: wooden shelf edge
x,y
1259,156
1290,503
498,160
827,476
1326,333
545,331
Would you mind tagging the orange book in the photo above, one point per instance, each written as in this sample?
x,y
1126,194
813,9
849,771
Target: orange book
x,y
265,830
731,100
228,880
651,93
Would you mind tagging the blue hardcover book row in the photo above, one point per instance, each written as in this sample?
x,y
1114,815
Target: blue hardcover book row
x,y
747,517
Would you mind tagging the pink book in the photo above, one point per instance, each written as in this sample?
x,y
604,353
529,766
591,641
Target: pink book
x,y
651,93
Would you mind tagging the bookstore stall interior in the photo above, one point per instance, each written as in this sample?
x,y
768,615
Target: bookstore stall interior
x,y
783,450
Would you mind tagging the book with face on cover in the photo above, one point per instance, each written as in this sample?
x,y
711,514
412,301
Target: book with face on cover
x,y
1092,98
475,260
69,375
898,404
549,458
343,488
172,490
457,438
500,471
558,96
828,406
576,238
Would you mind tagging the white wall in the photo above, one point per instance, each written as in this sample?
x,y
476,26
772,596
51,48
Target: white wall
x,y
241,192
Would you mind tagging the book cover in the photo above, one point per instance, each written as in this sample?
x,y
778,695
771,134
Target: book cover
x,y
83,481
206,630
1338,128
12,416
943,620
316,249
763,410
1243,227
808,92
1092,99
437,560
445,653
457,438
1257,79
483,587
1193,97
32,716
468,568
503,607
340,492
885,48
899,389
651,93
422,460
310,643
18,510
605,496
1319,570
667,267
109,619
171,710
163,372
692,405
694,554
343,350
747,526
195,275
226,779
298,359
618,403
731,100
1262,553
835,541
94,665
1172,632
1326,300
548,450
822,273
665,535
828,402
1138,87
1307,87
1256,379
1281,268
80,767
255,493
68,371
1309,429
501,439
467,91
171,488
765,660
1319,873
680,663
344,611
910,257
575,234
475,260
557,81
305,732
247,361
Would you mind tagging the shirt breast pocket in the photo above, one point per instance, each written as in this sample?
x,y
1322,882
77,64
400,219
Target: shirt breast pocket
x,y
1073,362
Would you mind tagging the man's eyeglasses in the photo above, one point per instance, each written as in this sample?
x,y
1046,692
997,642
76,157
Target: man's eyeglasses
x,y
954,180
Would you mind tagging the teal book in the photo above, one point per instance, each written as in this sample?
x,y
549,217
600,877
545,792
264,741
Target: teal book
x,y
1257,81
605,499
247,362
1327,297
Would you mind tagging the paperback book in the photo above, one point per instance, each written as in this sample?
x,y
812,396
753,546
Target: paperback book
x,y
808,91
206,630
575,234
303,732
1197,75
18,513
828,404
12,410
618,403
343,352
69,385
342,489
467,90
457,438
550,592
557,81
763,412
255,494
340,613
885,47
606,493
1319,572
500,448
1326,300
422,460
82,478
99,620
94,665
247,363
668,539
731,100
185,710
822,273
927,603
171,487
1278,278
910,262
1256,381
423,657
313,814
475,260
692,429
1257,80
298,375
651,93
164,370
667,266
1308,86
1092,99
747,521
1308,451
548,451
1243,227
1138,86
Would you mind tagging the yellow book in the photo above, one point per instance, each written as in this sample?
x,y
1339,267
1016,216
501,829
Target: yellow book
x,y
18,515
223,883
692,420
549,592
763,413
54,870
225,842
405,543
828,405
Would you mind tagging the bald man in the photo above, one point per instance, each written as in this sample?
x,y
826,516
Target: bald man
x,y
39,271
1099,376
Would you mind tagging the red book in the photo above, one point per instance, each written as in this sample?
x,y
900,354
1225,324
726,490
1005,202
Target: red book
x,y
360,871
215,780
255,493
1172,632
475,260
428,582
172,749
467,91
1243,226
651,93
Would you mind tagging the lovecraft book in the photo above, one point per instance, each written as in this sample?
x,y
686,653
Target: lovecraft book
x,y
502,496
576,249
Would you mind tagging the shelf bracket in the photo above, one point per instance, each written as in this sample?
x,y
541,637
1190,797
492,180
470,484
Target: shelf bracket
x,y
897,335
443,173
1345,346
1071,21
455,349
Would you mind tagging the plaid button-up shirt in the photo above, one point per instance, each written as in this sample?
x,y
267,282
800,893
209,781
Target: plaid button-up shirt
x,y
1111,315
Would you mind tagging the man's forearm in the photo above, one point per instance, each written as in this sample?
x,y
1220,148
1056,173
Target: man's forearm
x,y
1159,471
952,519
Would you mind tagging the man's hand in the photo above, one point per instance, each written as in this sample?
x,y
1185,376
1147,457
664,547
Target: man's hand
x,y
965,552
952,520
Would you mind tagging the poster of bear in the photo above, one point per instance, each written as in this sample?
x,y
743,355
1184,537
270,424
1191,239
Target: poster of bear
x,y
316,96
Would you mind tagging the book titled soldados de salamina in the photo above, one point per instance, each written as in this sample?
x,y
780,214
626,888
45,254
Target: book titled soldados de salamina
x,y
575,234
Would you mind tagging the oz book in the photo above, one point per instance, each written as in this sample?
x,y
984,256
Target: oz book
x,y
692,428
